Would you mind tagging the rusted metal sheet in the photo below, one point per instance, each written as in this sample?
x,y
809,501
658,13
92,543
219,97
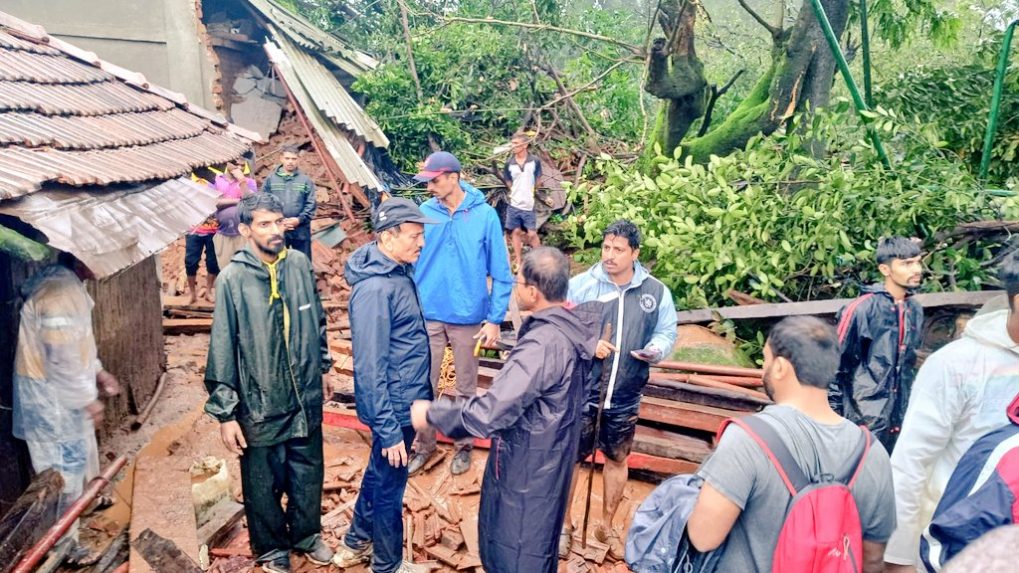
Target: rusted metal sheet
x,y
353,167
117,130
112,230
330,96
306,35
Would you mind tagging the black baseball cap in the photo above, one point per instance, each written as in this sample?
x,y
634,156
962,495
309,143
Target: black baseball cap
x,y
397,210
436,164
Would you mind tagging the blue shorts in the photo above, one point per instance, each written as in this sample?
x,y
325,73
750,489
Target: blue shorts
x,y
519,219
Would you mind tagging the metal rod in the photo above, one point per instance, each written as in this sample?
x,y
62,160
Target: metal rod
x,y
150,405
999,82
865,44
709,368
58,529
314,144
840,59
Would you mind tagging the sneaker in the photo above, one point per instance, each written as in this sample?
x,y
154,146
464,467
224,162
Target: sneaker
x,y
565,541
417,461
348,557
461,462
611,538
320,555
277,566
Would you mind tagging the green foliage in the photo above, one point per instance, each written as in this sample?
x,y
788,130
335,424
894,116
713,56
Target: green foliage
x,y
897,21
773,219
954,103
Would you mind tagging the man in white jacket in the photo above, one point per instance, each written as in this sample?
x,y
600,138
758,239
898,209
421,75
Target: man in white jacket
x,y
961,392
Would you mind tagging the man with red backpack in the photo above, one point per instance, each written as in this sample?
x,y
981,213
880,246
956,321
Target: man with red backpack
x,y
829,477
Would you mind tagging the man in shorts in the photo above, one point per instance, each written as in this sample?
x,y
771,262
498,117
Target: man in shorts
x,y
521,174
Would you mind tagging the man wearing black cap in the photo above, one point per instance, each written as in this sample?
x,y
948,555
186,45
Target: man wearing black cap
x,y
462,251
391,364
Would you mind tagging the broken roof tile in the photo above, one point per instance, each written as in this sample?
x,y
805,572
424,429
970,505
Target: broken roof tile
x,y
68,117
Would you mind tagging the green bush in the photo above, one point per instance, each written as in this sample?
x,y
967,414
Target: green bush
x,y
773,219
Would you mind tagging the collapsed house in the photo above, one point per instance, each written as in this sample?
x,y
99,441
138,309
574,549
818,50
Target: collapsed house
x,y
95,160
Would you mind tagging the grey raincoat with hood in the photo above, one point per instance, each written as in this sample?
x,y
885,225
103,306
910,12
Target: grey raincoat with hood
x,y
532,412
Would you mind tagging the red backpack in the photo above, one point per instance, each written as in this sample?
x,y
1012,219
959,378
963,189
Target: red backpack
x,y
821,532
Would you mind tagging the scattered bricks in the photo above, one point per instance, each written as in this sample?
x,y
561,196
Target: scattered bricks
x,y
434,460
452,539
433,529
469,530
419,529
576,564
466,489
594,551
444,554
469,562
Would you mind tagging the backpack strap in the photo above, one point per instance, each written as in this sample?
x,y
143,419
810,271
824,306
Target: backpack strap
x,y
849,473
771,443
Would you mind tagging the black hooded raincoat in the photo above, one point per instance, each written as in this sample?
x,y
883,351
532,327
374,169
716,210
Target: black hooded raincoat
x,y
878,340
532,412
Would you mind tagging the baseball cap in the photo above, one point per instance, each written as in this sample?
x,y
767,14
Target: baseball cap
x,y
397,210
436,164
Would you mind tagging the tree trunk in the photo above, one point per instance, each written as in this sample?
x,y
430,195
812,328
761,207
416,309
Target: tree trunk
x,y
799,79
676,74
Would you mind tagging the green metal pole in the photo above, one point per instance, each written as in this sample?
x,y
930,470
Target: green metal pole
x,y
868,94
840,59
999,83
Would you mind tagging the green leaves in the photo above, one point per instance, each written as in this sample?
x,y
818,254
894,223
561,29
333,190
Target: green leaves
x,y
773,219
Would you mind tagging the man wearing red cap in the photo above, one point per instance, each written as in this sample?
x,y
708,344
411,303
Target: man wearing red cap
x,y
461,253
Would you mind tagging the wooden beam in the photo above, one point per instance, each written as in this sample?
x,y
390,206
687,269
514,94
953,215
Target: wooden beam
x,y
163,555
343,418
31,516
825,307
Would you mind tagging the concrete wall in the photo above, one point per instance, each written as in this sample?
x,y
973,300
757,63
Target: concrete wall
x,y
158,38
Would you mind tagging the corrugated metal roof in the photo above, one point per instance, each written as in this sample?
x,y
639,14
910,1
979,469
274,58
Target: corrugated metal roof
x,y
330,96
336,142
111,230
306,35
68,117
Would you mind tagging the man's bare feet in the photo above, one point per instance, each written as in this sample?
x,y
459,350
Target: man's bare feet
x,y
193,298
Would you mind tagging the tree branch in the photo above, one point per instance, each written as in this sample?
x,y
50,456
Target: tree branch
x,y
493,22
771,29
584,87
569,100
715,95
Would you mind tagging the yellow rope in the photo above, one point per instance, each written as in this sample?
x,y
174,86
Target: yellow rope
x,y
447,373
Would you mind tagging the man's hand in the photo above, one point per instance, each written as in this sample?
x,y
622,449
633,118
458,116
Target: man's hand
x,y
489,333
397,455
233,438
604,349
107,383
95,411
419,414
651,355
291,223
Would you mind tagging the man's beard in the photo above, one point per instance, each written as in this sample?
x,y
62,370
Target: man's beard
x,y
268,247
769,388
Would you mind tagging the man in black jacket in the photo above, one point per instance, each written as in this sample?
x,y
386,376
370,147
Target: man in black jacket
x,y
297,193
267,354
879,333
391,366
532,412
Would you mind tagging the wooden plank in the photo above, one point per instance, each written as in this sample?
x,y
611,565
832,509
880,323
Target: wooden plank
x,y
173,326
163,555
343,418
32,514
684,392
825,307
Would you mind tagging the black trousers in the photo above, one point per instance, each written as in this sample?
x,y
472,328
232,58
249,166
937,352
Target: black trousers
x,y
295,468
300,240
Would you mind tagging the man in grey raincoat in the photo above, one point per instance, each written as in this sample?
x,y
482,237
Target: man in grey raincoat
x,y
267,354
532,412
